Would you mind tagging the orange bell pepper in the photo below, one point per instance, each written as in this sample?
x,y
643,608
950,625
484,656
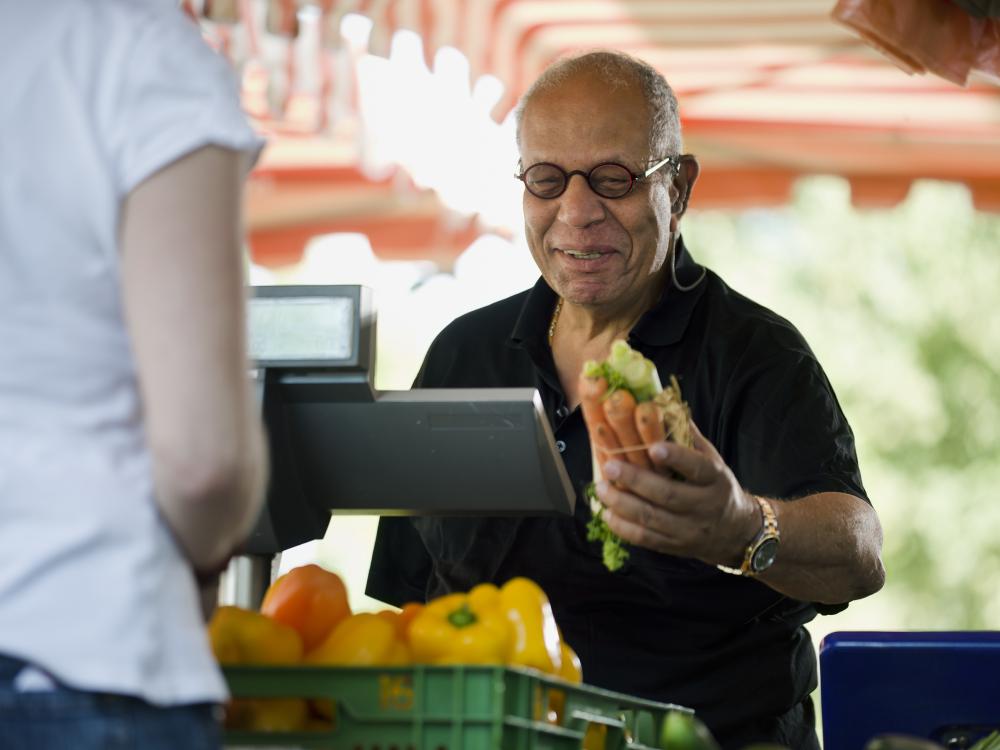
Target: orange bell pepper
x,y
361,640
310,599
402,618
461,629
536,641
407,615
241,636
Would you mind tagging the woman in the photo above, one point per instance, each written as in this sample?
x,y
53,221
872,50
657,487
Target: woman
x,y
131,456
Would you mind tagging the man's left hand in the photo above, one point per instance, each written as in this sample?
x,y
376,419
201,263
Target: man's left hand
x,y
689,504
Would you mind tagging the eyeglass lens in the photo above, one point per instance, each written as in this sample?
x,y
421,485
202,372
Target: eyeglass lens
x,y
549,181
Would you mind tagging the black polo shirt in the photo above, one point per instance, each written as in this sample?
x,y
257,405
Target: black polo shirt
x,y
663,627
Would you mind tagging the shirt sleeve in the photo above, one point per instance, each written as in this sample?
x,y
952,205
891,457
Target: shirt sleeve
x,y
791,436
788,436
400,566
169,95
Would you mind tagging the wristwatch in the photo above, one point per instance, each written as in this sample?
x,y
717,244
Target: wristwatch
x,y
763,548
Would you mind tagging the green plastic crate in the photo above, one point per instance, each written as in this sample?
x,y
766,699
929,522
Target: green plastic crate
x,y
448,708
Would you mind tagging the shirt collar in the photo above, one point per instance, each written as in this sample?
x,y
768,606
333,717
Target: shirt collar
x,y
531,331
665,322
662,325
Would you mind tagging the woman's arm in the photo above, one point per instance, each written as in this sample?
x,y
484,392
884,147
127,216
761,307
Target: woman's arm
x,y
184,300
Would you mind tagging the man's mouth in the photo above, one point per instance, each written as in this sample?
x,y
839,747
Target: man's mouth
x,y
587,253
582,256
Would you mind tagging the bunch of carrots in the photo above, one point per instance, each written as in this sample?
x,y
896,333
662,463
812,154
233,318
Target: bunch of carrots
x,y
626,410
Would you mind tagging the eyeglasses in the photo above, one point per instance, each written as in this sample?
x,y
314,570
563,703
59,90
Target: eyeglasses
x,y
608,180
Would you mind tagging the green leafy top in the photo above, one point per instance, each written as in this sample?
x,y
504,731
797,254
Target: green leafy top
x,y
594,369
626,369
613,550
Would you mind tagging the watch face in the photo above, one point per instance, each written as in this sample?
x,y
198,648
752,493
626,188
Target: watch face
x,y
763,556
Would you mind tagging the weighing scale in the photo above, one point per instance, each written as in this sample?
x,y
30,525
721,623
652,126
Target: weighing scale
x,y
339,446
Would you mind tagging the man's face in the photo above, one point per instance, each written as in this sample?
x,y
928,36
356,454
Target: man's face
x,y
578,125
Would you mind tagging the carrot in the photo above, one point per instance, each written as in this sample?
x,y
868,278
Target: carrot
x,y
592,391
606,442
619,408
649,423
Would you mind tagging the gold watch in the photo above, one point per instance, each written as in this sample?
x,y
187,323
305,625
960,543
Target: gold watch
x,y
763,548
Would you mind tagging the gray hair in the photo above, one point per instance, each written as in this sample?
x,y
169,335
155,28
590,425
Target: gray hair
x,y
617,70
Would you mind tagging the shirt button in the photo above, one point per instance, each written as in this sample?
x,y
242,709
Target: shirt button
x,y
561,445
562,411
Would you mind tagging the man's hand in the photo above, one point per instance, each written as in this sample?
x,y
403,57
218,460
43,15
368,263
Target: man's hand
x,y
705,514
830,541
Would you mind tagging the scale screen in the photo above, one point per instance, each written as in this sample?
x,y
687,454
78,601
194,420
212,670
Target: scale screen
x,y
284,330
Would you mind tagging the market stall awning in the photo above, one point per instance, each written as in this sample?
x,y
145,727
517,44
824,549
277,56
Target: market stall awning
x,y
774,86
307,186
769,91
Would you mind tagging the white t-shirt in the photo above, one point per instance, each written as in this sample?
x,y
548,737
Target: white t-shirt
x,y
97,95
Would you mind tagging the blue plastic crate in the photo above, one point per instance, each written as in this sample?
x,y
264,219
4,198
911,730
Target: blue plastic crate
x,y
943,686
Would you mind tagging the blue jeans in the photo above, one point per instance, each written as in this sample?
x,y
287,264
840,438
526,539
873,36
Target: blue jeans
x,y
61,718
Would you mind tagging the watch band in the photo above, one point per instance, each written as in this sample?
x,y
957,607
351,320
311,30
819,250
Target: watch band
x,y
768,531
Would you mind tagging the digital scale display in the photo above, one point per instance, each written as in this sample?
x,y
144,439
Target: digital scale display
x,y
293,329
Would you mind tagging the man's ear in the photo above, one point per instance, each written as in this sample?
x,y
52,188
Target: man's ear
x,y
687,175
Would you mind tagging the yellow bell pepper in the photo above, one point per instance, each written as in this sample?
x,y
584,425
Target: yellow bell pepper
x,y
535,642
242,636
267,714
572,669
461,629
361,640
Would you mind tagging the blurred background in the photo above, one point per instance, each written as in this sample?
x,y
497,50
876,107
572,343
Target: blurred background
x,y
851,189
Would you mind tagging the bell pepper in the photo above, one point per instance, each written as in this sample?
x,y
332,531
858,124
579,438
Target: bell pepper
x,y
572,669
402,618
535,642
361,640
310,599
267,714
461,629
241,636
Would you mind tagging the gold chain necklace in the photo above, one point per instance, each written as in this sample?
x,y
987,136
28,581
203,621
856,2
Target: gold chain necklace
x,y
555,318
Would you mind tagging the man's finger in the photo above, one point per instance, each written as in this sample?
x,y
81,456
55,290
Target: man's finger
x,y
635,510
652,486
639,535
692,464
701,443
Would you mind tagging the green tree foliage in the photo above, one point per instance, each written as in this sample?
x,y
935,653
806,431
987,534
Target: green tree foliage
x,y
899,306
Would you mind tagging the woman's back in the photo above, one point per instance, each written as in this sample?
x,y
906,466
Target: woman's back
x,y
98,97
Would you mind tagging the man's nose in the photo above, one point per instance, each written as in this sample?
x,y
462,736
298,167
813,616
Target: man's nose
x,y
579,206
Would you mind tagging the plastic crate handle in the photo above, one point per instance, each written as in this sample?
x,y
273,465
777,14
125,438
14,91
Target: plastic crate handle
x,y
588,716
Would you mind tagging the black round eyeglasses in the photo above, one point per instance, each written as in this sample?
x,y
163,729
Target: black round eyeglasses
x,y
608,180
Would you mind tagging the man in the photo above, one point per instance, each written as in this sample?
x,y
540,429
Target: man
x,y
773,479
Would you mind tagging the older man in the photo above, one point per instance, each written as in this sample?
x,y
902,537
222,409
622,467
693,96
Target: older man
x,y
771,492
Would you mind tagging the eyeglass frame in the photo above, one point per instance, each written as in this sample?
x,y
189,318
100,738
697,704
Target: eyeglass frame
x,y
674,160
